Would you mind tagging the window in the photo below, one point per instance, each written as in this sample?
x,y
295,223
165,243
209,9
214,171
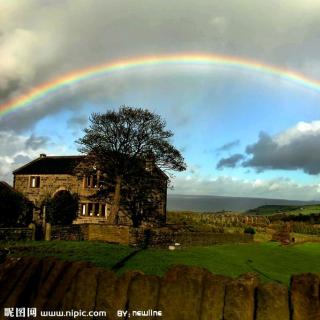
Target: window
x,y
90,207
83,209
34,181
90,181
96,209
107,210
87,183
95,181
103,210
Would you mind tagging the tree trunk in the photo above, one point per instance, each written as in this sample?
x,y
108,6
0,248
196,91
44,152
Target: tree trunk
x,y
116,201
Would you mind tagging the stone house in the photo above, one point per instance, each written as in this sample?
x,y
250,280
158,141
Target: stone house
x,y
47,175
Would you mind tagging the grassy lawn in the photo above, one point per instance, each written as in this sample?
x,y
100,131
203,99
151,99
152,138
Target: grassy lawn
x,y
272,261
100,254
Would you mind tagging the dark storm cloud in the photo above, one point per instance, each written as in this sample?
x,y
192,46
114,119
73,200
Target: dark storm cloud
x,y
12,144
301,152
229,145
230,162
293,149
35,142
11,86
27,118
18,149
38,44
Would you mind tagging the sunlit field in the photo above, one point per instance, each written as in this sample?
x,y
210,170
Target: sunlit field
x,y
272,261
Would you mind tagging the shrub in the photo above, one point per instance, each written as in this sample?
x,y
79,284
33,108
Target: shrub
x,y
15,209
305,228
62,208
249,230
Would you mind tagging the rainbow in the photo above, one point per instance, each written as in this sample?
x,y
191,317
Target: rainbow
x,y
53,86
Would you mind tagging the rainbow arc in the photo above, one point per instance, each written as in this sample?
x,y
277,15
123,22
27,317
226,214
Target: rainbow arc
x,y
72,78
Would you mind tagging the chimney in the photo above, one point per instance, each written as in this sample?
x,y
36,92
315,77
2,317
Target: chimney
x,y
150,161
42,155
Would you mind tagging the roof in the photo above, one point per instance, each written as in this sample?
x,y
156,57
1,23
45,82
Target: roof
x,y
50,165
58,165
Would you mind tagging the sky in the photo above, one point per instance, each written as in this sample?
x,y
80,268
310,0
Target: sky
x,y
241,132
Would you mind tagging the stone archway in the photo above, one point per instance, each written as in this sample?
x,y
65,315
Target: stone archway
x,y
59,190
62,207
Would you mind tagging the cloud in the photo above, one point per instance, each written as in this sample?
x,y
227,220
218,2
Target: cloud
x,y
229,145
12,144
72,100
16,150
35,142
230,162
40,40
21,159
8,86
278,188
78,121
14,54
293,149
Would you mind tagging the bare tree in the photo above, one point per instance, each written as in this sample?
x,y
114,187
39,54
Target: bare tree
x,y
119,143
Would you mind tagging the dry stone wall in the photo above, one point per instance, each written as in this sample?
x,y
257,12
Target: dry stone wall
x,y
93,232
163,237
142,237
16,234
182,293
73,232
109,233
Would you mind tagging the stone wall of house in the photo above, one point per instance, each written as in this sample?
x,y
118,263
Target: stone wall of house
x,y
189,293
49,184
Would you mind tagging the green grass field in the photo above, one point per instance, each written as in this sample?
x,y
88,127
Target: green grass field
x,y
272,261
98,253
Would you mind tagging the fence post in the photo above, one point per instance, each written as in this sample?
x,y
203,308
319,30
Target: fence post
x,y
32,226
47,236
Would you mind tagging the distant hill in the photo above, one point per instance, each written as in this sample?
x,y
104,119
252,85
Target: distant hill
x,y
178,202
308,209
